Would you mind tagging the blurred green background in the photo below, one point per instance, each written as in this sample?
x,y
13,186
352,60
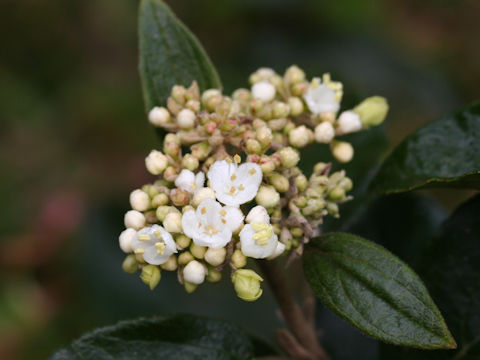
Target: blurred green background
x,y
74,135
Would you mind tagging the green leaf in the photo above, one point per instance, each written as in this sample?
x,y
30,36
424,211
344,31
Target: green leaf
x,y
451,269
169,55
375,291
175,337
445,152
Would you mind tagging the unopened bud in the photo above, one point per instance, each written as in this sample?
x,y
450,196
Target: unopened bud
x,y
280,110
320,167
194,272
178,94
193,105
277,124
186,119
215,257
264,136
182,241
159,116
332,209
125,240
170,174
346,184
263,91
342,151
294,75
134,219
267,196
202,194
151,275
189,287
372,111
247,284
289,157
180,197
156,162
300,89
348,122
185,258
197,250
162,211
130,264
252,146
171,264
301,182
324,133
173,222
201,150
213,275
337,194
139,200
300,136
280,182
296,106
190,162
238,259
296,232
160,200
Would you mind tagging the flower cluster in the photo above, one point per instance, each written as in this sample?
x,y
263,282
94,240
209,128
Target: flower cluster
x,y
229,186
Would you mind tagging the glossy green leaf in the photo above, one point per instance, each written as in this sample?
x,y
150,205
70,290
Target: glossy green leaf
x,y
445,152
169,55
375,291
451,269
177,337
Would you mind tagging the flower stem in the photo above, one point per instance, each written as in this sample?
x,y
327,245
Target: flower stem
x,y
300,326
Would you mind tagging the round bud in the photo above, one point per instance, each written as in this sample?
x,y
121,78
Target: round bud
x,y
180,197
289,157
125,240
197,250
279,181
294,74
159,116
190,162
247,284
342,151
296,106
337,194
332,209
277,124
170,174
194,272
214,275
186,119
348,122
267,165
252,146
134,219
193,105
130,264
182,241
160,200
173,222
263,91
324,133
215,257
267,196
162,211
156,162
178,93
372,111
172,138
139,200
301,182
346,184
151,275
258,214
242,95
184,258
208,94
171,264
202,194
264,136
300,136
280,110
238,259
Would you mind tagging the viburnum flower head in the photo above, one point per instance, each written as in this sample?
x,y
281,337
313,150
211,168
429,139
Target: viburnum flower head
x,y
155,244
235,185
211,224
320,98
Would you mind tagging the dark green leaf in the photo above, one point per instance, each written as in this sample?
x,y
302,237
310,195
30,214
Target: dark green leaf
x,y
445,152
176,337
451,269
169,55
375,291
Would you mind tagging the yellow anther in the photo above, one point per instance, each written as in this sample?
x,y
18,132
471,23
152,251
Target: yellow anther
x,y
160,247
252,171
259,226
192,186
204,210
241,187
139,251
262,242
158,234
211,230
228,160
224,221
143,237
237,159
315,83
263,233
223,212
233,177
232,190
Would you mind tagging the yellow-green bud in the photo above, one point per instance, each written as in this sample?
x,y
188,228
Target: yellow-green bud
x,y
162,211
197,250
253,146
280,182
184,258
294,75
342,151
173,222
300,136
296,106
301,182
215,257
178,94
190,162
201,150
247,284
289,157
182,241
337,194
238,259
372,111
300,88
346,183
300,201
213,275
264,136
277,124
319,167
151,275
296,232
160,200
171,264
267,196
241,95
332,209
267,165
189,287
280,110
130,264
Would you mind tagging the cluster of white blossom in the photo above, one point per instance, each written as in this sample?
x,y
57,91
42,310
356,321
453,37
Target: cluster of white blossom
x,y
228,185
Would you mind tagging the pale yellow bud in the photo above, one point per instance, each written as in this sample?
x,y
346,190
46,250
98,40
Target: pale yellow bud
x,y
267,196
215,257
130,264
342,151
171,264
151,275
372,111
159,116
156,162
247,284
238,259
197,250
289,157
173,222
160,200
184,258
190,162
296,106
300,136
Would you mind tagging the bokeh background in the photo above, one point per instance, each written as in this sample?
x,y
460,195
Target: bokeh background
x,y
73,135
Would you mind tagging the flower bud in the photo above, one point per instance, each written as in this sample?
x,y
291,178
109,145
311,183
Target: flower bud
x,y
151,275
337,194
171,264
173,222
242,95
257,214
194,272
160,200
300,88
159,116
296,106
202,194
178,94
180,197
173,106
214,275
156,162
208,94
277,124
267,165
190,162
314,206
238,259
185,257
294,75
125,240
186,119
263,73
263,91
182,241
134,219
300,201
215,257
279,181
162,211
372,111
139,200
247,284
264,136
172,138
346,184
280,110
170,174
201,150
300,136
332,209
267,196
342,151
189,287
348,122
301,182
197,250
130,264
289,157
252,146
324,133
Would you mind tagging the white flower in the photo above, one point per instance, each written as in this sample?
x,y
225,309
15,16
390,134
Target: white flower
x,y
234,185
324,133
194,272
139,200
211,224
134,219
348,122
320,98
155,244
156,162
264,91
190,182
257,237
125,239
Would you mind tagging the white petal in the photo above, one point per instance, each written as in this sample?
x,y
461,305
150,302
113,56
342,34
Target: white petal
x,y
214,241
258,214
208,212
199,180
321,99
278,251
190,224
233,217
186,180
250,247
